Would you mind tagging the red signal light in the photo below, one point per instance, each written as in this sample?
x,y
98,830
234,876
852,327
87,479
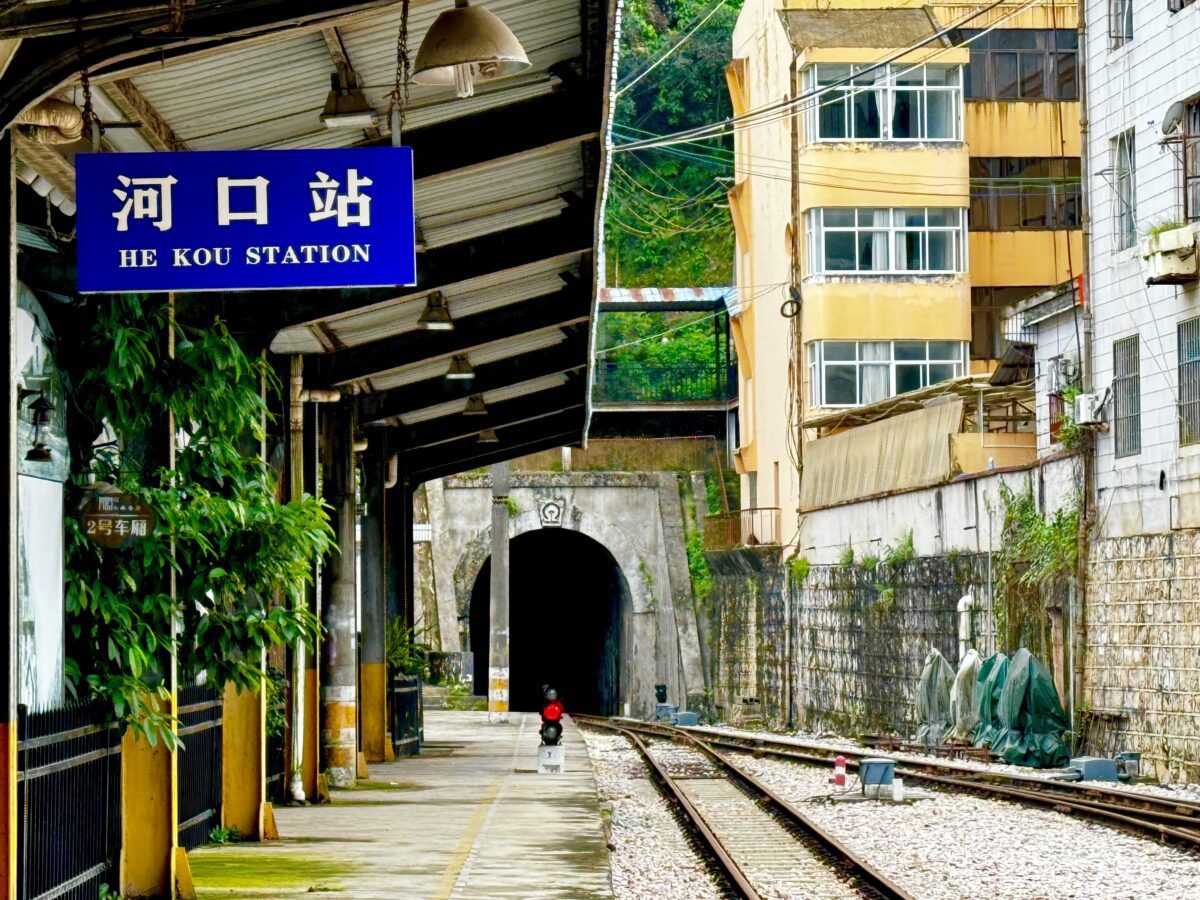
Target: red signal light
x,y
552,711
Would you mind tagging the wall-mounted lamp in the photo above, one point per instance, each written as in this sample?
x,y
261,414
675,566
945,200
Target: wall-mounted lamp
x,y
436,315
489,436
40,409
346,106
466,45
460,369
475,406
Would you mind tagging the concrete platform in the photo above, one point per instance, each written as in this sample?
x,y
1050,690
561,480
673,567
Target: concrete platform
x,y
469,818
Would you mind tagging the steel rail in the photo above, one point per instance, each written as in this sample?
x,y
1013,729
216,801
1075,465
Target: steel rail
x,y
666,785
860,870
1143,815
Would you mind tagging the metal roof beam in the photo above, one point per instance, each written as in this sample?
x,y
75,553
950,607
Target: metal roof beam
x,y
516,440
565,307
569,356
136,108
570,232
499,416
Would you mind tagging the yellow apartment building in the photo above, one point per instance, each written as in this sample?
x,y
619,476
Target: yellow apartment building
x,y
904,172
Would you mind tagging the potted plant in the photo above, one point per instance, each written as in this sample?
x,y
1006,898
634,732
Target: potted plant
x,y
408,659
1169,249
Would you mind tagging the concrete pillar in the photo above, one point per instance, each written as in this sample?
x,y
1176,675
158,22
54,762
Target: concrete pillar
x,y
8,621
373,627
244,761
498,644
149,813
310,739
339,676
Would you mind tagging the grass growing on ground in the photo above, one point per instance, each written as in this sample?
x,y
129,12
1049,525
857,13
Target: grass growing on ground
x,y
245,871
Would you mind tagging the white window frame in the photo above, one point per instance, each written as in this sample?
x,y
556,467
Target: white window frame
x,y
817,230
1120,23
1124,188
884,81
818,364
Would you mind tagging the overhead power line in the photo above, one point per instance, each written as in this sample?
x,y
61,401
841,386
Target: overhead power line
x,y
622,88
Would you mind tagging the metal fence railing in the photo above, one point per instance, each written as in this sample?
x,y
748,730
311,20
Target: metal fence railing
x,y
68,802
742,528
200,732
621,382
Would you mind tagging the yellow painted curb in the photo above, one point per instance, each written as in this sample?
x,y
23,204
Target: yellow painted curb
x,y
185,889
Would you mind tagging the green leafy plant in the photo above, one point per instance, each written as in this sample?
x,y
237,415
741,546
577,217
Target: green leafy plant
x,y
1070,432
231,545
107,893
511,505
223,835
276,687
1154,229
406,650
902,552
702,580
846,560
1036,553
885,600
870,563
799,568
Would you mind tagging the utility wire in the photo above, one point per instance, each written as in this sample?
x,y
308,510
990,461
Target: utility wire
x,y
662,59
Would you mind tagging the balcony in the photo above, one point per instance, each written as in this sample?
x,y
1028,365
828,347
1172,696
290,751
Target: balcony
x,y
742,528
627,384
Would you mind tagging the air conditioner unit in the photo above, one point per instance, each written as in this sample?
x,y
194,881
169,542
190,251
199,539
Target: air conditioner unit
x,y
1087,410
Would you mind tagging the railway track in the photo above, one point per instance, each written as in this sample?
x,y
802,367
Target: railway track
x,y
1146,815
760,844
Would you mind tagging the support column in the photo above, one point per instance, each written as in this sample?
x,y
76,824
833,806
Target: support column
x,y
8,622
148,818
373,627
243,761
498,642
311,737
339,712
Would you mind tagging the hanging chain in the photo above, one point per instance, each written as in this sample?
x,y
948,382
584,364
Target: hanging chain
x,y
91,121
398,98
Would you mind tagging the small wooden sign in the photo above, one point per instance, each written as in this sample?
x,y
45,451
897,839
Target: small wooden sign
x,y
117,520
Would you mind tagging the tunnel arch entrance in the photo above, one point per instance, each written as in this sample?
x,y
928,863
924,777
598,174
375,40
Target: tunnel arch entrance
x,y
568,600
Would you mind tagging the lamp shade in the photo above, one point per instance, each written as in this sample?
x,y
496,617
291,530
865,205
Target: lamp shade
x,y
465,45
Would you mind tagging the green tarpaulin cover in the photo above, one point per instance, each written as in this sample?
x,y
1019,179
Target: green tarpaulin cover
x,y
934,715
1021,718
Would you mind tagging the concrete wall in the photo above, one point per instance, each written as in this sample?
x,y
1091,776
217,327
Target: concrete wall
x,y
637,517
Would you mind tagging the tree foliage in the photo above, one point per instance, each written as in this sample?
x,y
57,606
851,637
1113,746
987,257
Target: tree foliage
x,y
667,221
232,545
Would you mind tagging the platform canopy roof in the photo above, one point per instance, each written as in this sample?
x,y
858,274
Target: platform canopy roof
x,y
508,191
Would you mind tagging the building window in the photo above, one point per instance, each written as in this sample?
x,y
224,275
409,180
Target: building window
x,y
855,373
885,241
1127,397
1177,5
1120,23
1191,161
1189,381
1124,190
890,103
1021,193
1057,411
1022,64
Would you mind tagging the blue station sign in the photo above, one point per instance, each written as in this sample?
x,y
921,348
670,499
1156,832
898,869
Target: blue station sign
x,y
245,220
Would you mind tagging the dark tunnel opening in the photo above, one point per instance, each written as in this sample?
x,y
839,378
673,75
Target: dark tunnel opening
x,y
566,600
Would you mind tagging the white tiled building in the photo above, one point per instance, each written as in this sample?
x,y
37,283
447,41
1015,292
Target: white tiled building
x,y
1141,618
1142,57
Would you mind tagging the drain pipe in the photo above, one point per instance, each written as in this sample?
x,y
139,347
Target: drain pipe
x,y
297,397
966,605
393,472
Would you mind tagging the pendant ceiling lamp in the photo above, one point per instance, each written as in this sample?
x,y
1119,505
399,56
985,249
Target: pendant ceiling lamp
x,y
466,45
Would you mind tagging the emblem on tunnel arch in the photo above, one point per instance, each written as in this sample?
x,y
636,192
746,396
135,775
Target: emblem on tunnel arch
x,y
551,512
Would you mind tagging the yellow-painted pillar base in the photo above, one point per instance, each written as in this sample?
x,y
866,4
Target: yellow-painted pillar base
x,y
147,819
373,684
185,888
312,734
8,865
270,831
243,753
361,770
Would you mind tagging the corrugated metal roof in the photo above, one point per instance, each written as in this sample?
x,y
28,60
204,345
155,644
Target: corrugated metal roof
x,y
466,298
713,295
907,451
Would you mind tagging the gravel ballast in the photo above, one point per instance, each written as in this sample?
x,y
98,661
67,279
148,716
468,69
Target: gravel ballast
x,y
651,856
958,846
